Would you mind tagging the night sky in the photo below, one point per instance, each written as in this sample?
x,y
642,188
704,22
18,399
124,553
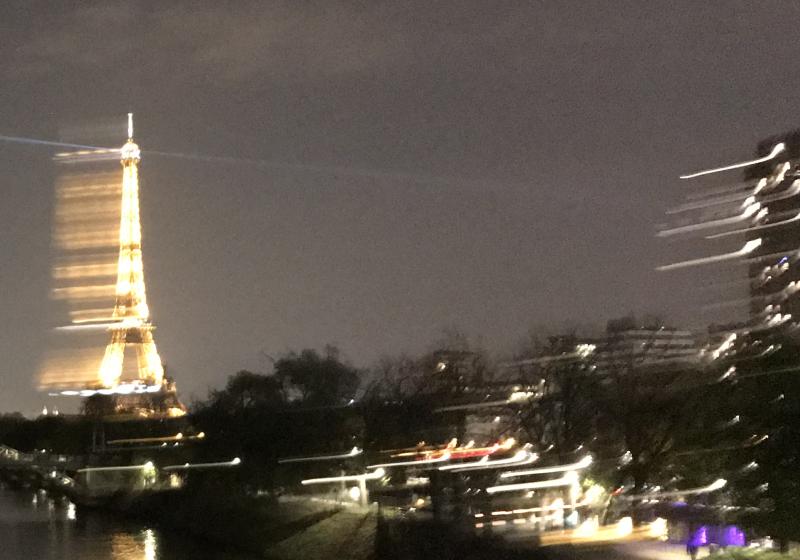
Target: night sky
x,y
488,166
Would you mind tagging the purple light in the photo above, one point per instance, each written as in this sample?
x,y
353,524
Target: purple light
x,y
700,537
733,536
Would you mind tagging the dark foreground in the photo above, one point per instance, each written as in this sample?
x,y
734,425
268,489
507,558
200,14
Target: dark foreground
x,y
35,527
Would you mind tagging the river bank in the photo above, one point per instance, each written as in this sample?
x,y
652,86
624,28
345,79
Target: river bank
x,y
36,526
214,516
270,528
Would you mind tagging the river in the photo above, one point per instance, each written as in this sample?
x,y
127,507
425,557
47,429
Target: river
x,y
34,526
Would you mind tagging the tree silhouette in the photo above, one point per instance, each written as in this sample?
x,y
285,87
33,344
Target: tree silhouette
x,y
317,380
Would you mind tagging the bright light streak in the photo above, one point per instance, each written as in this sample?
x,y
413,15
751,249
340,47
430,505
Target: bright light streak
x,y
521,457
374,475
419,462
90,326
582,464
121,389
467,451
748,248
147,466
748,212
177,437
521,511
730,371
788,193
35,142
793,219
150,545
777,149
352,453
726,345
565,480
729,199
714,486
232,463
487,404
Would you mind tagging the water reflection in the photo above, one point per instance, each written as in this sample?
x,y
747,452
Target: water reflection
x,y
143,546
36,526
128,546
149,544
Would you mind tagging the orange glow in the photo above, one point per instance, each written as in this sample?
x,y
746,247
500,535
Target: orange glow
x,y
131,301
100,290
463,452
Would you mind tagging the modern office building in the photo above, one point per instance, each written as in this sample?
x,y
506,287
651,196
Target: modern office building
x,y
757,214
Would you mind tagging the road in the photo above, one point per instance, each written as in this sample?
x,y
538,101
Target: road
x,y
647,550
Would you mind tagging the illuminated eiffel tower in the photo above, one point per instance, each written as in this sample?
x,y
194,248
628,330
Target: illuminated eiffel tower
x,y
150,392
133,328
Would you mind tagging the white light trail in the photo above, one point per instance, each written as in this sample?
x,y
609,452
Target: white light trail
x,y
374,475
726,345
352,453
487,404
748,248
121,389
794,218
147,465
777,149
567,480
444,457
749,211
521,457
232,463
89,325
179,437
729,199
793,189
522,511
582,464
714,486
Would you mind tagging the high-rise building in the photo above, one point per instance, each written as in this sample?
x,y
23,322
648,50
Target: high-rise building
x,y
774,267
759,211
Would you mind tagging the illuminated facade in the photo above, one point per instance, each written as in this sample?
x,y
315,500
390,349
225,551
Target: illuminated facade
x,y
759,214
773,269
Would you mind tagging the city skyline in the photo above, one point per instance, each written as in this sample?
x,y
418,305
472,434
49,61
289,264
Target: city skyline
x,y
392,199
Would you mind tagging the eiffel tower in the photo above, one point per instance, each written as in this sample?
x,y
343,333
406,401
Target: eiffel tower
x,y
150,392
